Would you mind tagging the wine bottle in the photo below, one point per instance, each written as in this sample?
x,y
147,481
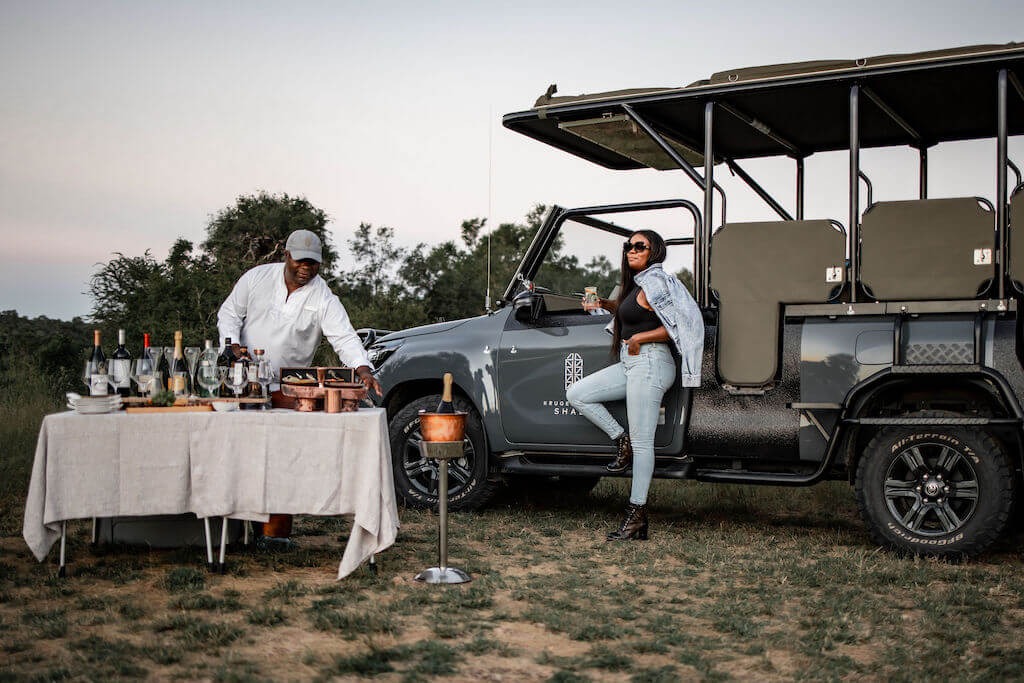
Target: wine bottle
x,y
178,372
120,367
96,368
226,359
445,405
254,390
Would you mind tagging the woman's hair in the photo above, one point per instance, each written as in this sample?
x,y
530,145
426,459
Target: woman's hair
x,y
658,253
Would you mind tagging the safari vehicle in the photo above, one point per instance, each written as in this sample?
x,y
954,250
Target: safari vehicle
x,y
882,347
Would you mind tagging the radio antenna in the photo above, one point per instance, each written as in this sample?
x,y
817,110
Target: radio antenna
x,y
490,174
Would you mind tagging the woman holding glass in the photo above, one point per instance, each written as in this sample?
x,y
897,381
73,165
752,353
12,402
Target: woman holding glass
x,y
653,314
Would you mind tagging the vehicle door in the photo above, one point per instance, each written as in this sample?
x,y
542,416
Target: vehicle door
x,y
541,355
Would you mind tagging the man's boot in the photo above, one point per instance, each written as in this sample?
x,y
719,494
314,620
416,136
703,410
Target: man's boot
x,y
634,526
623,455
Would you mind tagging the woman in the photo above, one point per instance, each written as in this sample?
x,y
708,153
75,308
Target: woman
x,y
653,313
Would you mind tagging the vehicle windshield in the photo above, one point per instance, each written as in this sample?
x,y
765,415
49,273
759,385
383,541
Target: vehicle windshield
x,y
583,255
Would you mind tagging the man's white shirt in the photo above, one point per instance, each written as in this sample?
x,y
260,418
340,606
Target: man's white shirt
x,y
259,314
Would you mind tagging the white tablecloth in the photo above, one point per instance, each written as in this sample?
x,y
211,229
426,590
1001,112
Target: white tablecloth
x,y
244,464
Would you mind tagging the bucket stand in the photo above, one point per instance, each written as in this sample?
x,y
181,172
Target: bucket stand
x,y
442,451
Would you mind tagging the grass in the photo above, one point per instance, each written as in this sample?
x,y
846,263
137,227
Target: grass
x,y
736,583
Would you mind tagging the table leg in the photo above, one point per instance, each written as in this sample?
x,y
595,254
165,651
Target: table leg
x,y
209,544
94,529
223,543
372,566
246,525
62,572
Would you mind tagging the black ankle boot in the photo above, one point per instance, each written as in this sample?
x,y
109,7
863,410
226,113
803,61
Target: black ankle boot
x,y
623,456
634,526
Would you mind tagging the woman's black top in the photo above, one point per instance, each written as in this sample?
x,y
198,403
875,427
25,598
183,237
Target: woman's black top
x,y
634,318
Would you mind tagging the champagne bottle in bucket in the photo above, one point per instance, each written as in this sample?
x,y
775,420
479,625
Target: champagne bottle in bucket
x,y
445,405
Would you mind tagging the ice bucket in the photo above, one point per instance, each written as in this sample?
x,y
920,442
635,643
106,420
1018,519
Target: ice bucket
x,y
443,426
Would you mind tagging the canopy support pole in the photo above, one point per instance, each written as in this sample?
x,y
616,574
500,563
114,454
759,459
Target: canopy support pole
x,y
761,192
922,189
853,236
709,200
1001,168
799,188
762,128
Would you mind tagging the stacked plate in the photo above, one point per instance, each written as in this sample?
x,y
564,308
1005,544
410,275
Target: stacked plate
x,y
93,405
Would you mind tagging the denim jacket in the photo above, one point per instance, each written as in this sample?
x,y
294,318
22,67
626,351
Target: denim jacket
x,y
681,317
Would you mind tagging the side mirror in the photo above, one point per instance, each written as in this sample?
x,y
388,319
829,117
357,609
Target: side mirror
x,y
528,306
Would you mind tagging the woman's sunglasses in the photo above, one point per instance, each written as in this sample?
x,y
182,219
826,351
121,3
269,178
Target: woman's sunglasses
x,y
634,246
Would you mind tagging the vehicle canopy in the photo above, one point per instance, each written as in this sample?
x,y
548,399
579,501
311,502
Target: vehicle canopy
x,y
795,110
790,109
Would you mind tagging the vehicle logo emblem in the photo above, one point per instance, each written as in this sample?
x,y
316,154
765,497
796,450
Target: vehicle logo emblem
x,y
573,369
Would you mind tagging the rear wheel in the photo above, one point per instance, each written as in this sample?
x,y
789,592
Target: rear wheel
x,y
416,477
934,490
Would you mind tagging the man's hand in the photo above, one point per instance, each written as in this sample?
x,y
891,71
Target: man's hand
x,y
369,381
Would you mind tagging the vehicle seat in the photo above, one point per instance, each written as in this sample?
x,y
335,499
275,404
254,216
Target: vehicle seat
x,y
1016,245
927,249
757,267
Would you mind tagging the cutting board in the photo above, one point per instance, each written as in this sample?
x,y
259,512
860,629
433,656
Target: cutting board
x,y
169,409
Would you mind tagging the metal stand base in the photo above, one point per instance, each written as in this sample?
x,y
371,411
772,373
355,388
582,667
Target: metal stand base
x,y
442,451
443,575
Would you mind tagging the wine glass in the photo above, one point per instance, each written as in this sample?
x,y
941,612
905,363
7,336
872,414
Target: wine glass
x,y
95,377
264,375
142,374
155,353
210,378
192,359
236,378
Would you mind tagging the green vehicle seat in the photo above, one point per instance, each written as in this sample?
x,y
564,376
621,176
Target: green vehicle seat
x,y
927,249
755,269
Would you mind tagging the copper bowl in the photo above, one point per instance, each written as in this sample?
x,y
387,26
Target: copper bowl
x,y
443,426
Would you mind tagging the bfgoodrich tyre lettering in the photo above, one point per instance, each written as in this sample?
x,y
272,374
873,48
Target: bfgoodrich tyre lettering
x,y
935,491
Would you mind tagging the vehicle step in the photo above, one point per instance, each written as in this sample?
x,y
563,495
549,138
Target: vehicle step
x,y
932,421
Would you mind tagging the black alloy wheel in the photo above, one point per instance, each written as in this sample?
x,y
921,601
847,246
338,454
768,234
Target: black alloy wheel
x,y
417,478
943,491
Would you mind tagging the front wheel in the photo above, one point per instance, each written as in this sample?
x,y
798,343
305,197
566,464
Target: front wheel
x,y
943,491
416,477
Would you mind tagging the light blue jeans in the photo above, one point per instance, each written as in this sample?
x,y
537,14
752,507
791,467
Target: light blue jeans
x,y
642,380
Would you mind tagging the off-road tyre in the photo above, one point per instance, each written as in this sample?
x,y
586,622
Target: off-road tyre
x,y
944,491
469,483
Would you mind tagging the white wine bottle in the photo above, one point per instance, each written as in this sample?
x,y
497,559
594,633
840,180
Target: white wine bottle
x,y
178,371
445,405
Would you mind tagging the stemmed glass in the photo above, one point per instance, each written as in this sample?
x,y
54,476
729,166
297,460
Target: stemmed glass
x,y
210,378
155,353
95,377
264,375
236,378
192,359
142,374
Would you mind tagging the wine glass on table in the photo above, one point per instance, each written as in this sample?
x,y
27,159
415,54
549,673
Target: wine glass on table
x,y
142,375
155,353
192,359
236,379
95,377
210,378
265,375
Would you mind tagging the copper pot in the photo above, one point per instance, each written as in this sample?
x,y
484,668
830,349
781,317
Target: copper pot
x,y
443,426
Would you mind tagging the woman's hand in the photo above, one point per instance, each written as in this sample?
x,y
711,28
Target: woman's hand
x,y
633,345
591,305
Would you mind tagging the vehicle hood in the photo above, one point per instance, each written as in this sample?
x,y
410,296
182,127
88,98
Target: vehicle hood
x,y
424,329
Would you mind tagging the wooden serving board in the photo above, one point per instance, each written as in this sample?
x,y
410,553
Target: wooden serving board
x,y
169,409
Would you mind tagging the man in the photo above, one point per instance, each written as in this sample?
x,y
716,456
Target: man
x,y
286,308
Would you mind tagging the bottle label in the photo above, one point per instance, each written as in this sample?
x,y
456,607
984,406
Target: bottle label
x,y
98,384
120,373
238,371
250,373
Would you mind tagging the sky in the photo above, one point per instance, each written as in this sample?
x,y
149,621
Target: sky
x,y
125,125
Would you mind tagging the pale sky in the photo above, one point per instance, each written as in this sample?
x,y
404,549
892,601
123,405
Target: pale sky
x,y
125,125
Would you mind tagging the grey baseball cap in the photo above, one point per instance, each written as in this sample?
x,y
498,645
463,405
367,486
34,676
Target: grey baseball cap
x,y
303,244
